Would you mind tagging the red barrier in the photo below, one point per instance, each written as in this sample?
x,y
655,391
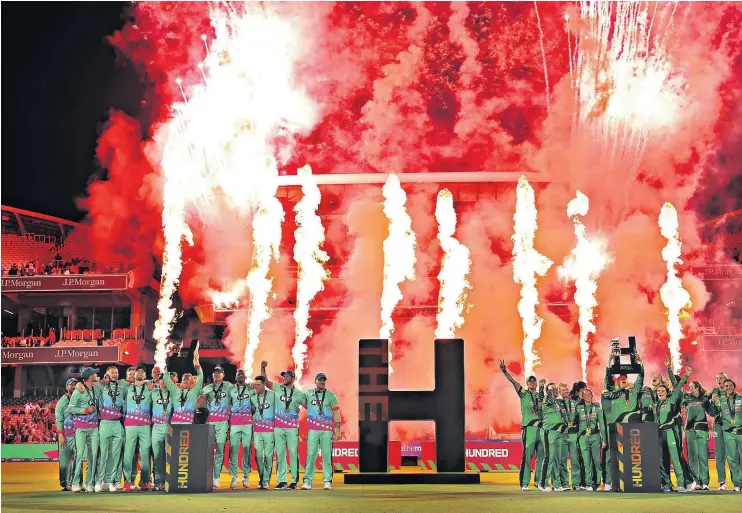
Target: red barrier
x,y
484,456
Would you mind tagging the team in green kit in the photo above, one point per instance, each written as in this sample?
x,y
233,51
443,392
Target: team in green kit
x,y
97,417
558,425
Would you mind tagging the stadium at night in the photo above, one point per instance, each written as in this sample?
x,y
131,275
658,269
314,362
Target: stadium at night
x,y
446,243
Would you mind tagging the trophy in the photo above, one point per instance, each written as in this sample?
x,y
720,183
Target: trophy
x,y
615,359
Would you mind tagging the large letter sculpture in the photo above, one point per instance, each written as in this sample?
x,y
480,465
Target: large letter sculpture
x,y
377,406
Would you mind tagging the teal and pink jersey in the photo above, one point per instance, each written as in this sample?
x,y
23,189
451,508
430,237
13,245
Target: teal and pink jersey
x,y
320,406
289,399
217,401
184,401
241,406
111,399
265,407
65,424
81,401
162,406
138,405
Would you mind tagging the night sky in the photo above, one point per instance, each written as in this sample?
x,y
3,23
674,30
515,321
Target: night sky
x,y
61,77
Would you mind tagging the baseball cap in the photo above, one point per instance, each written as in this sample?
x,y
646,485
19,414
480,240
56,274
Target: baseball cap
x,y
89,371
288,372
141,367
71,381
321,375
218,369
531,378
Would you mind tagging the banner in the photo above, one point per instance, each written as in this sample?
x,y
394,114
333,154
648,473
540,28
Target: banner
x,y
481,455
59,355
65,283
29,452
722,342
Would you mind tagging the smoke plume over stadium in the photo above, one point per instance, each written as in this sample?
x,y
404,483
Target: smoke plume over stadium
x,y
632,104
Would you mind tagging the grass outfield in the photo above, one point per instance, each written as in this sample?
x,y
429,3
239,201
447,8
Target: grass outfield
x,y
33,487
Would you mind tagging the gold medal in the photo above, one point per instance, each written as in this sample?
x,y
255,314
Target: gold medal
x,y
734,421
589,431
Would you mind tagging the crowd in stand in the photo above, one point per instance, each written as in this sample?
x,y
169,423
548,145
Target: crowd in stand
x,y
28,423
58,267
72,338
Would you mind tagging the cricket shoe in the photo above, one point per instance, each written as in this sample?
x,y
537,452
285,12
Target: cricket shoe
x,y
233,484
110,487
147,487
607,488
543,488
76,488
90,488
282,486
737,489
682,489
265,487
216,483
666,489
589,489
328,485
135,488
292,486
306,486
705,488
525,488
693,487
723,487
245,483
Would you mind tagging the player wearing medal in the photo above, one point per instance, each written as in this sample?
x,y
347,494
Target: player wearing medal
x,y
162,408
217,402
620,403
66,436
719,450
264,405
728,408
83,407
697,404
530,432
668,417
185,396
592,436
323,412
286,432
130,373
137,424
111,391
553,428
570,444
240,428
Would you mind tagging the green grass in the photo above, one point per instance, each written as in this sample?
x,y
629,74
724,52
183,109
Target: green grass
x,y
30,487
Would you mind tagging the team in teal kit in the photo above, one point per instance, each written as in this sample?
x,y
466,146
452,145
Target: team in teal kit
x,y
111,392
217,402
66,435
323,421
183,397
137,425
83,408
162,409
240,428
264,406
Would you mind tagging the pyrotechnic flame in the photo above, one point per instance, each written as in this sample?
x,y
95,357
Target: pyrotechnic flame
x,y
220,137
675,298
266,235
308,254
625,88
454,269
399,254
583,265
527,264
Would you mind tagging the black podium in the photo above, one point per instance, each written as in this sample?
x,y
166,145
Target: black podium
x,y
189,464
635,457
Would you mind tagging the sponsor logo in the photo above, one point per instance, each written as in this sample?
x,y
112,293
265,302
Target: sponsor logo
x,y
343,452
14,283
184,456
486,453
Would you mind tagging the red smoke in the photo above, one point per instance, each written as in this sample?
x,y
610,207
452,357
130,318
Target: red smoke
x,y
416,87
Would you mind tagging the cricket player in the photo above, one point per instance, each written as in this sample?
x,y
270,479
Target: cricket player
x,y
323,419
240,428
264,405
668,418
621,403
83,407
719,448
697,404
728,408
530,432
137,424
130,373
553,441
66,431
162,409
217,402
570,445
185,396
111,393
592,437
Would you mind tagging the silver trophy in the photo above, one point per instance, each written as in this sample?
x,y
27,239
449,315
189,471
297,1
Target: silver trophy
x,y
615,359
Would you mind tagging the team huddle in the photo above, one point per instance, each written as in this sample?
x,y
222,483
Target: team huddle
x,y
118,425
558,422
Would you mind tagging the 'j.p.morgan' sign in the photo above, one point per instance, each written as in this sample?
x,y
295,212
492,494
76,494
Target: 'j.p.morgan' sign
x,y
64,283
61,355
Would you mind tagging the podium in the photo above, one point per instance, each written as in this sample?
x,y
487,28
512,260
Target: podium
x,y
635,457
189,463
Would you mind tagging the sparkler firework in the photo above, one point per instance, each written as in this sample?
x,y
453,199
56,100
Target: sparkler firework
x,y
640,99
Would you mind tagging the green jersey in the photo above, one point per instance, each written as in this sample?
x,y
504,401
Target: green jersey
x,y
730,411
552,412
695,411
667,411
217,401
240,403
530,407
321,404
184,401
289,399
81,401
138,405
618,404
64,421
590,419
162,406
111,399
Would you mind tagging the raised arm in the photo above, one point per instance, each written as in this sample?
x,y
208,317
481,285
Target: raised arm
x,y
517,386
670,374
608,383
264,372
171,387
639,383
677,392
